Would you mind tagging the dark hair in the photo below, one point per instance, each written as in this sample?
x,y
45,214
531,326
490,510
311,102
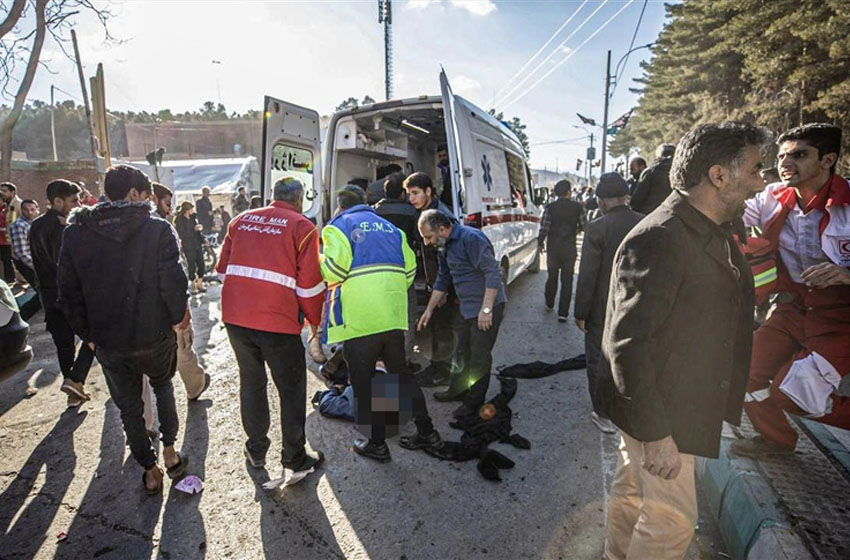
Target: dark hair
x,y
442,148
240,188
419,180
771,171
388,170
256,202
120,179
28,201
707,145
61,188
562,187
665,150
434,219
10,186
288,189
639,160
160,190
350,195
823,136
360,182
394,185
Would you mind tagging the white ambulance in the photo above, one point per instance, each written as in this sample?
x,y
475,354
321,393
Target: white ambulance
x,y
490,177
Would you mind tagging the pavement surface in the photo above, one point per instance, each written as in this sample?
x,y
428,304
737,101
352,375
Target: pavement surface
x,y
69,471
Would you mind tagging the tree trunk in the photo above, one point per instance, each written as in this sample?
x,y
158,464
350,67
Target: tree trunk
x,y
13,17
23,90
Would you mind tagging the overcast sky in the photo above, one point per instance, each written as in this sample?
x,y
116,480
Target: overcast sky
x,y
319,53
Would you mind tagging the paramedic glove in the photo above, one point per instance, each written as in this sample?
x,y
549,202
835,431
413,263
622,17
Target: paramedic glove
x,y
826,274
661,458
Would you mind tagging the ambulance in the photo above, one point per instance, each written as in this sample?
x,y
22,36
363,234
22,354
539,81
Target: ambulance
x,y
489,173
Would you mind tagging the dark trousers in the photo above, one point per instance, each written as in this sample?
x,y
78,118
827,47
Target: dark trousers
x,y
362,354
195,262
444,336
6,262
123,371
476,350
593,353
560,263
31,307
74,368
284,354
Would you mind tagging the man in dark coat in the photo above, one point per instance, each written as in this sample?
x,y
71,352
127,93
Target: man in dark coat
x,y
122,287
677,339
601,239
653,187
205,211
559,225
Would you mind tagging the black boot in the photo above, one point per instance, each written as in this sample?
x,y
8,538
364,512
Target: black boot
x,y
418,441
377,451
450,394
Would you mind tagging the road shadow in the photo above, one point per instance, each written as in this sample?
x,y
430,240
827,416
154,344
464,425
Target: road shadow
x,y
25,519
115,518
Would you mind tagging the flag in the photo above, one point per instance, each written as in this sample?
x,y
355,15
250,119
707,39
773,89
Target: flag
x,y
621,123
586,120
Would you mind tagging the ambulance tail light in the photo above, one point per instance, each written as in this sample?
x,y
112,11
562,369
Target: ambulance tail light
x,y
474,220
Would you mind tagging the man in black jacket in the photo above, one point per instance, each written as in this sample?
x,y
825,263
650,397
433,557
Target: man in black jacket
x,y
653,187
122,287
192,244
601,239
559,226
205,211
45,242
677,339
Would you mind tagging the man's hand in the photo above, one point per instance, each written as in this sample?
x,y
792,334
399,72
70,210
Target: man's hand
x,y
184,324
826,274
541,247
442,301
485,320
661,458
90,345
580,325
423,320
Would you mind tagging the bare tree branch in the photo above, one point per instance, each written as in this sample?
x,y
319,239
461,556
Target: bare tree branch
x,y
13,17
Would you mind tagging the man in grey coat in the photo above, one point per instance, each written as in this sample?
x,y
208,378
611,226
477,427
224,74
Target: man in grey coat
x,y
602,236
677,339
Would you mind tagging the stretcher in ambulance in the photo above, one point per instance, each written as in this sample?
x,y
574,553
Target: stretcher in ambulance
x,y
488,172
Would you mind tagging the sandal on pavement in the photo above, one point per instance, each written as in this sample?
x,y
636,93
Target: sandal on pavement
x,y
152,491
179,469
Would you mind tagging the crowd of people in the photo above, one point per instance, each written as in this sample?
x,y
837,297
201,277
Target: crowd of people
x,y
670,274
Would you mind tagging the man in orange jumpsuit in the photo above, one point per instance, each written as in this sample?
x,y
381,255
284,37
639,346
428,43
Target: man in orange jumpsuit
x,y
802,352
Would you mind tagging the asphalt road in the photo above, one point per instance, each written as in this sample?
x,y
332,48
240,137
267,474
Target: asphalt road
x,y
70,472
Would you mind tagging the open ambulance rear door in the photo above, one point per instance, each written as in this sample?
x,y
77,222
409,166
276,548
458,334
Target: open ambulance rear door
x,y
452,142
292,148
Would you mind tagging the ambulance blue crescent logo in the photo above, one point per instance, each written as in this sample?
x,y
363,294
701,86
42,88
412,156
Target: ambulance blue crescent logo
x,y
485,166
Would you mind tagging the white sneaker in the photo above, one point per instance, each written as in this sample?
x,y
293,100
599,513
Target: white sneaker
x,y
289,478
604,424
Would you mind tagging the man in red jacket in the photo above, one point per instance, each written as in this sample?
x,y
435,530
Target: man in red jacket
x,y
272,282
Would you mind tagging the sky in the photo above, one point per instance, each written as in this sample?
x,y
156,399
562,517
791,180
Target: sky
x,y
319,53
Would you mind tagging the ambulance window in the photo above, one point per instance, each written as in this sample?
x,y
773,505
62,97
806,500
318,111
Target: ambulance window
x,y
289,161
518,180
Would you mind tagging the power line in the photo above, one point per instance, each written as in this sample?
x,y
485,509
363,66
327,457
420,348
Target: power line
x,y
566,58
551,54
632,44
563,141
540,50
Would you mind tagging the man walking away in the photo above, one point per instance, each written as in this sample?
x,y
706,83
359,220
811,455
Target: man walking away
x,y
369,268
270,263
601,239
561,221
396,209
800,354
225,221
19,234
122,287
192,244
205,211
45,242
636,166
467,261
9,211
677,340
241,202
653,187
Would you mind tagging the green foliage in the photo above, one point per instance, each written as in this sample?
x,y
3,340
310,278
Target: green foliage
x,y
517,127
352,103
778,64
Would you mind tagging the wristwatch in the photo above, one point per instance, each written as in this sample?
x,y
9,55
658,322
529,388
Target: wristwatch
x,y
486,310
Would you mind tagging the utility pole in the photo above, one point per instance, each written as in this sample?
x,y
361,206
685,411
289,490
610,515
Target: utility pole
x,y
588,161
53,123
88,108
385,16
605,114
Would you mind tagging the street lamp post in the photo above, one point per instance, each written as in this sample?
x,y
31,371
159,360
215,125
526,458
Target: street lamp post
x,y
588,158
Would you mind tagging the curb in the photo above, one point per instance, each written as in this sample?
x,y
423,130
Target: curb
x,y
748,510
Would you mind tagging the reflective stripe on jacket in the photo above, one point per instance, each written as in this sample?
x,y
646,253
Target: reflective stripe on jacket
x,y
369,267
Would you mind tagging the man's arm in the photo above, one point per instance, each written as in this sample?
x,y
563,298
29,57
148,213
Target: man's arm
x,y
71,299
173,285
752,211
310,288
644,185
336,259
481,255
588,275
409,260
545,223
224,256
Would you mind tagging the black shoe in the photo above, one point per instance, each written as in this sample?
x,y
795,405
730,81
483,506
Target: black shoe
x,y
757,447
427,378
413,367
463,411
311,462
256,461
418,441
366,448
450,395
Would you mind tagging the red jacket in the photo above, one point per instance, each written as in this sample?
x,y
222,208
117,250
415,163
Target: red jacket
x,y
270,263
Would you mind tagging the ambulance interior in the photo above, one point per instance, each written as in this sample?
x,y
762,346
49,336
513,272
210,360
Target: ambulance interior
x,y
365,144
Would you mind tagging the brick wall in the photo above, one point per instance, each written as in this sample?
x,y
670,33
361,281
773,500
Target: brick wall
x,y
31,178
